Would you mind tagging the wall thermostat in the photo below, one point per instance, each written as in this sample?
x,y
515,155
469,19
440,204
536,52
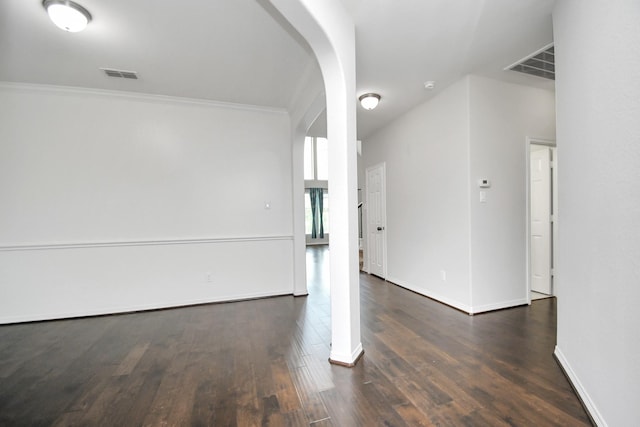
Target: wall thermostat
x,y
484,183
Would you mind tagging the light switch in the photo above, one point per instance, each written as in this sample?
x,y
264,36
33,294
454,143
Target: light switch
x,y
483,197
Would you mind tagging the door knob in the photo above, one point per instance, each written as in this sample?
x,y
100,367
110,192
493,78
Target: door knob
x,y
380,228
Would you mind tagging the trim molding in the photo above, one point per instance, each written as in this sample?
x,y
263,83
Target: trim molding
x,y
584,397
551,143
136,308
139,96
356,355
471,310
448,301
499,305
83,245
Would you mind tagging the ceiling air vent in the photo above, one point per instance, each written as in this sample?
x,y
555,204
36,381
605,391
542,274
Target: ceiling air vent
x,y
541,63
122,74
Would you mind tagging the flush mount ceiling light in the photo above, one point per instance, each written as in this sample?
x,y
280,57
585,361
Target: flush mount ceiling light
x,y
67,15
369,101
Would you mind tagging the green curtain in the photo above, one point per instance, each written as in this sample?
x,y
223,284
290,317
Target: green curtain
x,y
317,226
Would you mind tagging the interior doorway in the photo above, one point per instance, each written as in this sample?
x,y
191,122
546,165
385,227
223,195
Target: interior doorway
x,y
541,217
376,248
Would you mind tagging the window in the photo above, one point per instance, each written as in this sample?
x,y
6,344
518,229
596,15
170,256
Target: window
x,y
308,214
322,159
309,159
316,159
316,175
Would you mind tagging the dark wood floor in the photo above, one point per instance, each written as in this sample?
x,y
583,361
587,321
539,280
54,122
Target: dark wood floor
x,y
264,362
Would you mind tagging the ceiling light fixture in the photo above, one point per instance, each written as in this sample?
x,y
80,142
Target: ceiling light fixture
x,y
369,101
67,15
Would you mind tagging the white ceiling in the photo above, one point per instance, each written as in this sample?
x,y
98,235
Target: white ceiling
x,y
400,44
235,51
224,50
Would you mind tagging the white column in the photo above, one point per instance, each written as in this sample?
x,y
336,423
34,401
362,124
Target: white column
x,y
330,32
299,238
343,202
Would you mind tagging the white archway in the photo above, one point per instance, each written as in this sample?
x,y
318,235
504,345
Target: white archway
x,y
330,32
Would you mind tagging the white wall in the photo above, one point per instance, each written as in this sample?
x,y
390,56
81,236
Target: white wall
x,y
434,155
113,202
502,116
598,275
427,163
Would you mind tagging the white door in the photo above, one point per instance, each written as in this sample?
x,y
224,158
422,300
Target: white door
x,y
376,220
541,219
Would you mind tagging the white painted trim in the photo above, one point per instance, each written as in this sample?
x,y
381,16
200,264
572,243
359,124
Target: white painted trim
x,y
470,191
456,304
556,223
139,96
432,295
365,233
527,183
500,305
345,358
357,352
590,406
135,308
82,245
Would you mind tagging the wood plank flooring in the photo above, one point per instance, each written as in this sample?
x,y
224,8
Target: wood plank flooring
x,y
264,363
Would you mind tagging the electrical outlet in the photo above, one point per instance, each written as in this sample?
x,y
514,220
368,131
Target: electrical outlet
x,y
443,275
208,277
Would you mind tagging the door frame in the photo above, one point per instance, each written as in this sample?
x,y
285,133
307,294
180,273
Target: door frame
x,y
365,231
551,143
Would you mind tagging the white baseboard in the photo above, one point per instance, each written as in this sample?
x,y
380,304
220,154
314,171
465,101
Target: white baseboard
x,y
591,408
445,300
134,308
355,354
347,359
499,305
456,304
